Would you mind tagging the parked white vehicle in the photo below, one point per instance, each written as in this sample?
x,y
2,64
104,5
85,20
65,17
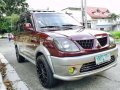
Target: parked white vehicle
x,y
0,36
6,35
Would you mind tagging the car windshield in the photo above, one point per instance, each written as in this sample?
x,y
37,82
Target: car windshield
x,y
55,20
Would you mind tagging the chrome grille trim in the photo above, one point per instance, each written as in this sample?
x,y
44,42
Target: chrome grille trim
x,y
86,44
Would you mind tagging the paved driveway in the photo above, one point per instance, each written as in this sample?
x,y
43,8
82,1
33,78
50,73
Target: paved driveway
x,y
108,80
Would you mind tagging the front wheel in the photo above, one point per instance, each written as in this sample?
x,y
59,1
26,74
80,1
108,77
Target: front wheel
x,y
45,73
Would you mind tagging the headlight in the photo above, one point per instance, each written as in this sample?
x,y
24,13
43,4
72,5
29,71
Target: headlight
x,y
65,44
112,41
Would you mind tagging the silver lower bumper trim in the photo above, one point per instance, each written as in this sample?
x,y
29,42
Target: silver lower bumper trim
x,y
77,77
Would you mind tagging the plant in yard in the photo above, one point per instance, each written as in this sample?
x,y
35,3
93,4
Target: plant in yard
x,y
116,34
114,16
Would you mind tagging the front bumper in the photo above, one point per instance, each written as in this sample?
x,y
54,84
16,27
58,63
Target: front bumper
x,y
61,65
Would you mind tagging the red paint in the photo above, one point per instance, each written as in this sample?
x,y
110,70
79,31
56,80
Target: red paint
x,y
54,51
101,12
103,34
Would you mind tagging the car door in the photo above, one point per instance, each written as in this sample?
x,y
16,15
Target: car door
x,y
31,38
20,35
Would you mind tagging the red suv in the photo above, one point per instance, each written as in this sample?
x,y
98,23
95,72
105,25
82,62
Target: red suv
x,y
60,48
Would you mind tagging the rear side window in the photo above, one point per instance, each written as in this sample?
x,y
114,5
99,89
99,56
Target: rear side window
x,y
23,19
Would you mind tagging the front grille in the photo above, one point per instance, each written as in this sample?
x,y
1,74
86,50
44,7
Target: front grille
x,y
102,41
92,65
86,44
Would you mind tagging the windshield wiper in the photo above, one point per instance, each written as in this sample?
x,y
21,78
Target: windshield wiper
x,y
69,25
50,27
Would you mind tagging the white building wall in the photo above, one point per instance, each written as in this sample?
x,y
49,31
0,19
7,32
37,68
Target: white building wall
x,y
102,24
117,24
105,24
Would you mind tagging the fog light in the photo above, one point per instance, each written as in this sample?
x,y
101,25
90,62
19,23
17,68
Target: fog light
x,y
71,70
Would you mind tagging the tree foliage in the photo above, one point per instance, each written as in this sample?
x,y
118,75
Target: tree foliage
x,y
2,4
2,7
3,25
114,16
15,6
12,9
7,24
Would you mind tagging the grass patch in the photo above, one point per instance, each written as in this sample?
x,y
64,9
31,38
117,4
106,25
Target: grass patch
x,y
115,34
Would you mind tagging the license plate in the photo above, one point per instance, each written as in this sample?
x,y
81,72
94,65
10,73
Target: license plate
x,y
102,58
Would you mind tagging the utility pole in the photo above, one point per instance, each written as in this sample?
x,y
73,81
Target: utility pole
x,y
84,12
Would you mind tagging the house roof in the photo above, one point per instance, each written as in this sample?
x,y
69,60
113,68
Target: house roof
x,y
94,12
98,12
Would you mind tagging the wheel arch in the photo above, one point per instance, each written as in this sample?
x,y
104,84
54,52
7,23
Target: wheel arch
x,y
16,46
42,50
38,54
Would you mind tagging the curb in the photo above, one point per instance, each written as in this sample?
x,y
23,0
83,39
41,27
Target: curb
x,y
12,75
2,86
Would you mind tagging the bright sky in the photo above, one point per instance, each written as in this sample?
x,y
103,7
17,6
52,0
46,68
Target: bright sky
x,y
112,5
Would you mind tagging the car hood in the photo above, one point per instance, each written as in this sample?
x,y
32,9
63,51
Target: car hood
x,y
76,34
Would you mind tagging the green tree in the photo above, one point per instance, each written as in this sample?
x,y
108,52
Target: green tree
x,y
8,23
12,9
15,6
3,25
114,16
12,21
2,7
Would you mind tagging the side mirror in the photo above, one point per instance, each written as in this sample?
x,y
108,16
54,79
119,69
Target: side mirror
x,y
28,26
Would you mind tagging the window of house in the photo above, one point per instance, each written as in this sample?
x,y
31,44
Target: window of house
x,y
102,29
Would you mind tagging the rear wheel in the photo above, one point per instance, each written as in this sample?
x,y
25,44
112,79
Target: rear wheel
x,y
45,73
20,58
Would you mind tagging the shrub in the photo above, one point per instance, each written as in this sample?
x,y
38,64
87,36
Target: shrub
x,y
116,34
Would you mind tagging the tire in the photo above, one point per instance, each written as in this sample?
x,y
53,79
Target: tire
x,y
45,73
20,58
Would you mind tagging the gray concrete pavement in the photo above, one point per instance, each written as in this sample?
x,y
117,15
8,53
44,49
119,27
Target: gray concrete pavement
x,y
108,80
